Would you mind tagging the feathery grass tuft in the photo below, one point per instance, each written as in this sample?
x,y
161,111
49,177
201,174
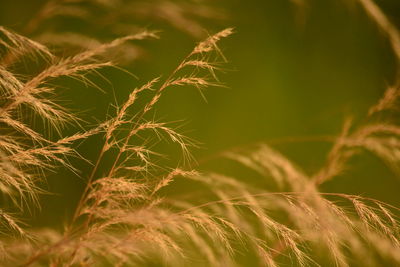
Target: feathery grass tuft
x,y
131,211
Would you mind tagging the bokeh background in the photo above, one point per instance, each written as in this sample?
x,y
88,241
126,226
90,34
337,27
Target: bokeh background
x,y
292,74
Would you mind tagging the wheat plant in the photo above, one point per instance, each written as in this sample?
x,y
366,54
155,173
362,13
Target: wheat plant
x,y
131,211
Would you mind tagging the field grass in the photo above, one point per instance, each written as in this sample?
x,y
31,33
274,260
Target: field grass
x,y
142,198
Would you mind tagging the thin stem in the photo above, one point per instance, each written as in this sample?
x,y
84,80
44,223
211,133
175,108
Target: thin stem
x,y
88,185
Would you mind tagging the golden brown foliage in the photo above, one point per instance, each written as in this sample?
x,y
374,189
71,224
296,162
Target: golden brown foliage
x,y
125,217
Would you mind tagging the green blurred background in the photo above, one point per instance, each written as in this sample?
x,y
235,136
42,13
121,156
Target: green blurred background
x,y
291,73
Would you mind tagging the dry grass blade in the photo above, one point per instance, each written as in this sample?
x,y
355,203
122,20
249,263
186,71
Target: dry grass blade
x,y
384,24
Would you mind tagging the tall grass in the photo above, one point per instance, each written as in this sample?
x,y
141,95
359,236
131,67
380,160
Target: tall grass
x,y
126,215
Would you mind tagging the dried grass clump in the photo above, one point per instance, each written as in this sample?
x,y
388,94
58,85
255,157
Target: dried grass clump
x,y
126,215
107,214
